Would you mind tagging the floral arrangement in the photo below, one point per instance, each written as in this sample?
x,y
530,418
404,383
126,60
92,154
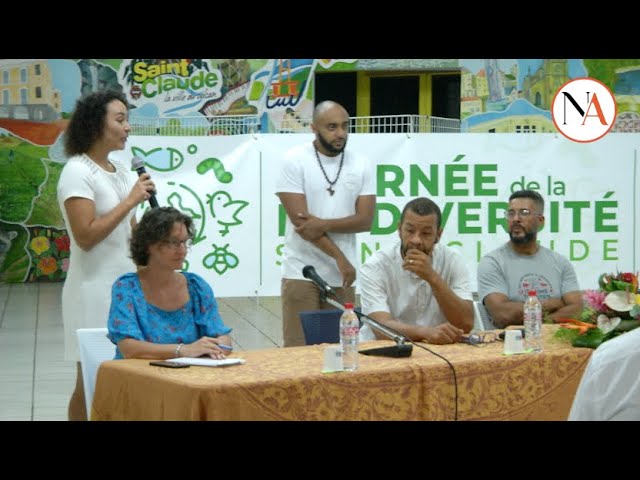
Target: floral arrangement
x,y
609,311
49,250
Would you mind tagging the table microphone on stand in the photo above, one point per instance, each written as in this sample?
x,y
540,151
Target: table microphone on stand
x,y
400,349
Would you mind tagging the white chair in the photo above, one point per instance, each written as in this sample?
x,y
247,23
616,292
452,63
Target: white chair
x,y
481,319
95,348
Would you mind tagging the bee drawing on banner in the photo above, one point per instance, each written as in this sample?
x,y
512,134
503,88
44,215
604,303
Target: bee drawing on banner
x,y
220,260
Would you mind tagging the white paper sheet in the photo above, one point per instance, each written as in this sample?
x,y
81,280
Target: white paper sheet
x,y
208,362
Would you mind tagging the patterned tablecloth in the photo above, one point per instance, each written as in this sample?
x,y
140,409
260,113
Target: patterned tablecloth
x,y
287,384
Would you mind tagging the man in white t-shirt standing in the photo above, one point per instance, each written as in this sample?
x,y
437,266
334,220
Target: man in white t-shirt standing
x,y
329,196
418,286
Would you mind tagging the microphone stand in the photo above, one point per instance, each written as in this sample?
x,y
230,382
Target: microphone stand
x,y
400,349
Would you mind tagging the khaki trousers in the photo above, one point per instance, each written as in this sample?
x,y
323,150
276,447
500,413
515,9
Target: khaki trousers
x,y
299,296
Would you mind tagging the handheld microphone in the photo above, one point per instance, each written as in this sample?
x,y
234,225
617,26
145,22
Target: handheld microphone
x,y
310,273
138,165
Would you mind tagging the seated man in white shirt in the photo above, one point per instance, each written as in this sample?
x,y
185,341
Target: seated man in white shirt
x,y
610,386
417,286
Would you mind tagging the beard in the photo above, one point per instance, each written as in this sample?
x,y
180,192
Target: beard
x,y
404,248
526,238
328,147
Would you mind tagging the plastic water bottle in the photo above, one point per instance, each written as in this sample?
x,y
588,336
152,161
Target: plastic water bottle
x,y
349,328
533,322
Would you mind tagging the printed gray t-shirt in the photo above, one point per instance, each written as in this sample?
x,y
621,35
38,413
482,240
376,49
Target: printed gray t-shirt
x,y
504,271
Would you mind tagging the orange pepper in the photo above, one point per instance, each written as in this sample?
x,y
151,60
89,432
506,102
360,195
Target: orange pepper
x,y
582,327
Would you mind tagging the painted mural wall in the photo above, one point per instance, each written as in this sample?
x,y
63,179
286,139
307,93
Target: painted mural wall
x,y
38,95
515,96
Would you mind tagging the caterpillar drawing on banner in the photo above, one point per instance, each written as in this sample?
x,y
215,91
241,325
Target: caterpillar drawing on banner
x,y
218,169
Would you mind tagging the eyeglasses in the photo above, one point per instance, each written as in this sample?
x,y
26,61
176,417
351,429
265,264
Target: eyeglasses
x,y
175,244
479,339
522,213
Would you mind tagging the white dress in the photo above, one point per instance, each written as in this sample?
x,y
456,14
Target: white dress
x,y
86,294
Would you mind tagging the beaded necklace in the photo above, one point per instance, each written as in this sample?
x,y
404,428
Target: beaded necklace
x,y
331,184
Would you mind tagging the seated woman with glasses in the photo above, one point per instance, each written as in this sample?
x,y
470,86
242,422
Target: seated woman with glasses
x,y
160,312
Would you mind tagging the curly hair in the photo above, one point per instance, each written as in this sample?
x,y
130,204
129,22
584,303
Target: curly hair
x,y
155,226
88,120
422,206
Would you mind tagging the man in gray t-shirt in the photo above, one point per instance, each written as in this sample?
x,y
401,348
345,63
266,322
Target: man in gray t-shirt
x,y
506,274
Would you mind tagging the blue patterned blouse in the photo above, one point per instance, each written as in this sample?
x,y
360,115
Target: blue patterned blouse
x,y
132,317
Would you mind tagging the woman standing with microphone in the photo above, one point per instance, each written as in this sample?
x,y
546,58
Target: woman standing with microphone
x,y
98,197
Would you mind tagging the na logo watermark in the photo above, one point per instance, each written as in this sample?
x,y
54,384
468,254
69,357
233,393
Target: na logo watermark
x,y
584,110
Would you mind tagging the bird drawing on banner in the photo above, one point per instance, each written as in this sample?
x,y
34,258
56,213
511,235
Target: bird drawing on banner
x,y
225,210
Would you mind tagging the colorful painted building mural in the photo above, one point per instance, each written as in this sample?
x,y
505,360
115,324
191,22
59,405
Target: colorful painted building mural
x,y
520,92
38,95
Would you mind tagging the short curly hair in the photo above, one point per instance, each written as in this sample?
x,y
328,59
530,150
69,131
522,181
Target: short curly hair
x,y
422,206
88,120
155,226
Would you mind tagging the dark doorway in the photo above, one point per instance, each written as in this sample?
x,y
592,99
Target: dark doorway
x,y
445,99
339,87
395,95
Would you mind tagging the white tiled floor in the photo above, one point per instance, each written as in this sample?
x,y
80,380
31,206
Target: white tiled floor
x,y
36,382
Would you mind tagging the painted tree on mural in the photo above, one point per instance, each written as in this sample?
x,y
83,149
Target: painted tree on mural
x,y
605,69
